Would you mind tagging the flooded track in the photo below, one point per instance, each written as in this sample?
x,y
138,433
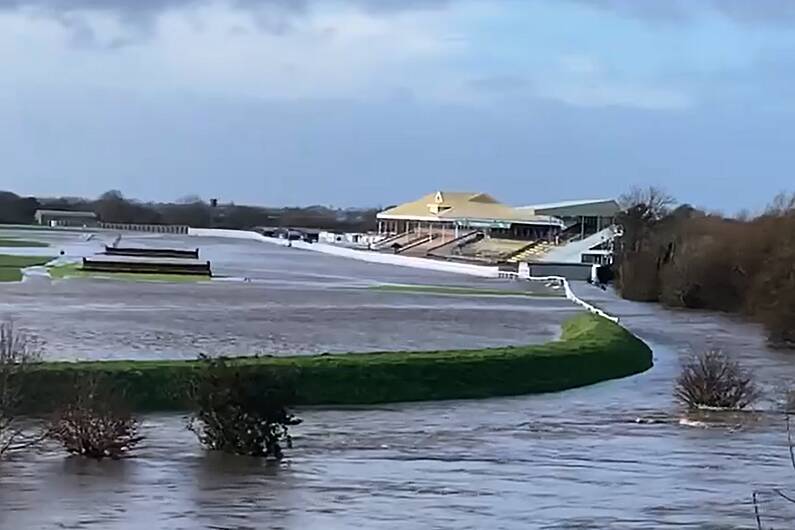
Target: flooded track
x,y
571,460
293,302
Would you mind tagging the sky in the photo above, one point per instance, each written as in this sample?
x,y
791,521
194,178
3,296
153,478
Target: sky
x,y
375,102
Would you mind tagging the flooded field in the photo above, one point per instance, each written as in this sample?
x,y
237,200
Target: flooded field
x,y
269,299
573,460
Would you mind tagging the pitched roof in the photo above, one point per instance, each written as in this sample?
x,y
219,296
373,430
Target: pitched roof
x,y
593,207
444,205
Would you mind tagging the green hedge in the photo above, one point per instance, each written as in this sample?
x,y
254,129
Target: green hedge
x,y
591,349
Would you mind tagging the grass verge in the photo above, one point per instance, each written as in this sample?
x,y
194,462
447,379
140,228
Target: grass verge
x,y
73,270
591,349
11,266
452,290
13,243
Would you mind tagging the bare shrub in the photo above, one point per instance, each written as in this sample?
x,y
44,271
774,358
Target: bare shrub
x,y
18,350
242,411
95,425
713,380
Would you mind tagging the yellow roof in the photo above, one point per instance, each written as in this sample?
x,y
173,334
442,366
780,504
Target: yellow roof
x,y
453,206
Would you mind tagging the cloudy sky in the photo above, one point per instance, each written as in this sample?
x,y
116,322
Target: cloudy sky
x,y
371,102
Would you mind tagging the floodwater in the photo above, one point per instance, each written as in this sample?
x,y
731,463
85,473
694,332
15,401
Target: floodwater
x,y
569,460
273,300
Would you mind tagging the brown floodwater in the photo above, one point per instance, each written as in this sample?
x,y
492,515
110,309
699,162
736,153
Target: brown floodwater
x,y
571,460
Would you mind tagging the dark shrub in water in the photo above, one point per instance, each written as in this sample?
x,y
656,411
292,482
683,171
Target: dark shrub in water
x,y
95,424
714,380
242,412
18,352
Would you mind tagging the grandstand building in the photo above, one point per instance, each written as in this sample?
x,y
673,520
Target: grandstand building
x,y
457,211
477,227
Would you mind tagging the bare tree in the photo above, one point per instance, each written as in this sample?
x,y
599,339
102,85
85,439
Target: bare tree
x,y
653,202
18,351
781,205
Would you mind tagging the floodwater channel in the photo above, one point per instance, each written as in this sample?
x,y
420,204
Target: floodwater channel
x,y
617,455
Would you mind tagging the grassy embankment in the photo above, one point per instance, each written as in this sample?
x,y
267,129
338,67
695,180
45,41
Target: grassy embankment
x,y
73,270
11,266
591,349
452,290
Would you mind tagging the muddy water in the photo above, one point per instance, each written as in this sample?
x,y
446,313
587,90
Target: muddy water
x,y
576,459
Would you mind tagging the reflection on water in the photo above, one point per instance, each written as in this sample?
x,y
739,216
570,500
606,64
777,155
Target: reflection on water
x,y
614,455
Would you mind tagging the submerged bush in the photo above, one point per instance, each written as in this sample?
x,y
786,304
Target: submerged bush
x,y
240,411
18,351
95,425
714,380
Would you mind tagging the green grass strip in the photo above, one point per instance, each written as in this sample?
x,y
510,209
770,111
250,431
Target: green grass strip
x,y
591,349
453,290
11,266
13,243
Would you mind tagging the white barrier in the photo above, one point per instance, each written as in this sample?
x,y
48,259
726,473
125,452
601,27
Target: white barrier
x,y
397,259
573,297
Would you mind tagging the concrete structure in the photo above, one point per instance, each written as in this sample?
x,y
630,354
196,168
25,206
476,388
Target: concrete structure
x,y
455,213
66,218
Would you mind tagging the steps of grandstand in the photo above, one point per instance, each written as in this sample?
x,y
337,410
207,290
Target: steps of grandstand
x,y
420,245
531,252
400,239
450,245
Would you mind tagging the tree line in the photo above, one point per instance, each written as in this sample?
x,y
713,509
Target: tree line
x,y
113,207
685,257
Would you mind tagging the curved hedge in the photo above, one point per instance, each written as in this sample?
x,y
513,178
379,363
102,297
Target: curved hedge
x,y
591,349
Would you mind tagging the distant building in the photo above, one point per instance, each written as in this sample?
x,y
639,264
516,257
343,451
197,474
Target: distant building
x,y
461,211
66,218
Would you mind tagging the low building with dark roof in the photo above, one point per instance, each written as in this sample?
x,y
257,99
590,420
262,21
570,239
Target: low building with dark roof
x,y
66,218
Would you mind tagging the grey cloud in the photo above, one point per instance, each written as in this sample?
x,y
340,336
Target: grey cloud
x,y
137,16
148,7
742,11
